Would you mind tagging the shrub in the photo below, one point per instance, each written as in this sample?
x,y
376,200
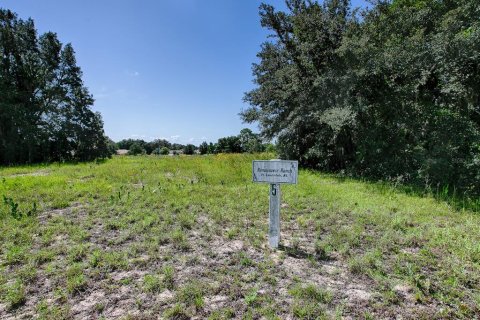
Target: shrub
x,y
136,149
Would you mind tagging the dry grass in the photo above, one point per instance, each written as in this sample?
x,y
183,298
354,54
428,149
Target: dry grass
x,y
185,237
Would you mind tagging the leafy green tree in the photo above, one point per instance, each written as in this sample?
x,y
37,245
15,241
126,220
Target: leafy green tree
x,y
230,144
177,146
164,151
45,110
203,148
112,146
157,144
161,151
393,95
250,142
189,149
270,147
212,148
294,98
136,149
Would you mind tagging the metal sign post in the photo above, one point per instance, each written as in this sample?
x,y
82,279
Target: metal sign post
x,y
275,172
274,226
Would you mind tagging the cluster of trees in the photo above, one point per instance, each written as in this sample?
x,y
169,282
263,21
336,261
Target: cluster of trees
x,y
158,146
246,141
392,92
45,110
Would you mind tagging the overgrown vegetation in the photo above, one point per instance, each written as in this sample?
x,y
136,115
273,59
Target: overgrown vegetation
x,y
45,110
186,237
390,93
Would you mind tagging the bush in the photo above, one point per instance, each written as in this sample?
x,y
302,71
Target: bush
x,y
164,151
136,149
189,149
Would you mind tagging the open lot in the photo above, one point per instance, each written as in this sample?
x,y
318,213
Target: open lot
x,y
186,237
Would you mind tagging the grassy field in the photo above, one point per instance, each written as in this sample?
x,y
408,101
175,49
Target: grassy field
x,y
186,237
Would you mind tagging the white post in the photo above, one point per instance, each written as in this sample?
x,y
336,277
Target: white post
x,y
274,227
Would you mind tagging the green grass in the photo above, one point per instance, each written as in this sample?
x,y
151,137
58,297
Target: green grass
x,y
152,283
186,236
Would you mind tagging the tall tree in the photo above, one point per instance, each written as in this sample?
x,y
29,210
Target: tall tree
x,y
393,94
45,108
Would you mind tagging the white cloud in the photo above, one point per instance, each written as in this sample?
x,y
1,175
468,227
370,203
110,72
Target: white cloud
x,y
175,137
136,136
132,73
201,139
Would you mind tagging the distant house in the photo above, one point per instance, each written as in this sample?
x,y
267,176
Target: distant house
x,y
122,152
175,152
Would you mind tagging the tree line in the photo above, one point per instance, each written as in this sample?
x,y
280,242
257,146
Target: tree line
x,y
245,141
392,92
45,109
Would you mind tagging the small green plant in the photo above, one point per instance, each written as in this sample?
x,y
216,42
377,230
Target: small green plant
x,y
244,260
47,311
186,221
76,280
295,245
152,283
251,298
321,250
176,312
99,307
95,258
191,294
179,240
27,273
311,292
15,295
222,314
15,254
13,207
232,233
15,212
78,253
108,261
309,301
308,310
356,265
168,277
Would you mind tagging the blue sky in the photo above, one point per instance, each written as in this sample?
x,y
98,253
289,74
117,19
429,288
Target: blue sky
x,y
173,69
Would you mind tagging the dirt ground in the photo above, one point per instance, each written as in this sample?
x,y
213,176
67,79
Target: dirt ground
x,y
211,260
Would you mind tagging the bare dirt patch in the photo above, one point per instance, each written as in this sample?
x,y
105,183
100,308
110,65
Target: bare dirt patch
x,y
38,173
232,274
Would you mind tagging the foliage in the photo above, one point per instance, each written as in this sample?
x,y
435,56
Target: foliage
x,y
246,141
250,142
164,151
203,148
393,94
154,146
45,110
136,149
189,149
230,144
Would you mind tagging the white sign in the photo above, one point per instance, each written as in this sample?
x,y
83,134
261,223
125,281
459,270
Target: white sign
x,y
275,171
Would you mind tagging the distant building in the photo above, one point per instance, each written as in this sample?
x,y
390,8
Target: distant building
x,y
122,152
175,152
